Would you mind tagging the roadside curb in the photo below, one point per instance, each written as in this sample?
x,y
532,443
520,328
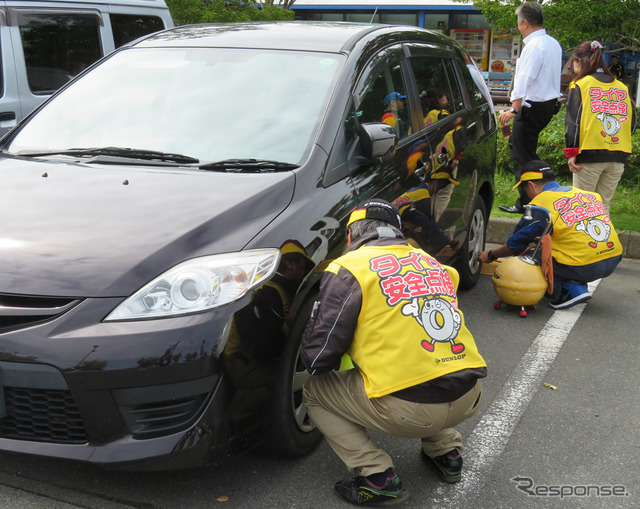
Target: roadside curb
x,y
500,228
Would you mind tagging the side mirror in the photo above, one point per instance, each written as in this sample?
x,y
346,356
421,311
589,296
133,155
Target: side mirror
x,y
377,139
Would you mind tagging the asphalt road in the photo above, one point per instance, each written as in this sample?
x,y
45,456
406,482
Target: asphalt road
x,y
530,445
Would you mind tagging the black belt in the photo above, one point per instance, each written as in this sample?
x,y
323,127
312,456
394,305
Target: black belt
x,y
543,102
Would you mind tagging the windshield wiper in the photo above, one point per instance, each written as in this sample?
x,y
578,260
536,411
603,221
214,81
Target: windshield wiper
x,y
129,153
248,165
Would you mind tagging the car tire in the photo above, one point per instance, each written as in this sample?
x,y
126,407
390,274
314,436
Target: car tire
x,y
468,265
290,432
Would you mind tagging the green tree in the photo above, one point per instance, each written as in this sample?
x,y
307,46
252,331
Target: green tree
x,y
616,22
186,12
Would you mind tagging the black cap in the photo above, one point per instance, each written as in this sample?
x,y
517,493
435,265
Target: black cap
x,y
535,170
376,209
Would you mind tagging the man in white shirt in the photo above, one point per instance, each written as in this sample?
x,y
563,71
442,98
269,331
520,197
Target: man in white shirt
x,y
536,88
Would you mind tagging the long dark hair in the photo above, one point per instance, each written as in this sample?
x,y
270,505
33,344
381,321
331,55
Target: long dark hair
x,y
591,58
431,98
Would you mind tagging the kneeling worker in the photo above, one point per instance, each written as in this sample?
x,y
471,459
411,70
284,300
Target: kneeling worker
x,y
585,245
393,309
415,209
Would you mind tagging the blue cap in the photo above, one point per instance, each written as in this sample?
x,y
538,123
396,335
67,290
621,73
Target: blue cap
x,y
393,96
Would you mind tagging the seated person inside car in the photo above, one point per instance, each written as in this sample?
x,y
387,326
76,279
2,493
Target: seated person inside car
x,y
435,103
393,108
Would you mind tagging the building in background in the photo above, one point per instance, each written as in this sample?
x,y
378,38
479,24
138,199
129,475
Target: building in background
x,y
494,52
439,15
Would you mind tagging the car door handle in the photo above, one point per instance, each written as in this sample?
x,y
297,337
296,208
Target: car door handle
x,y
7,115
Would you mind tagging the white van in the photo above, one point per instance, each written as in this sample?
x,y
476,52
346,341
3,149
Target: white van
x,y
43,44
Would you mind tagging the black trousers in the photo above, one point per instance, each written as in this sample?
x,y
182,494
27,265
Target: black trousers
x,y
527,126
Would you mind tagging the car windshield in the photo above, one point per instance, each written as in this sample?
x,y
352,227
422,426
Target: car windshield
x,y
211,104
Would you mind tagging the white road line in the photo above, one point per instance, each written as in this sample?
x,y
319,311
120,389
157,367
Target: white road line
x,y
486,442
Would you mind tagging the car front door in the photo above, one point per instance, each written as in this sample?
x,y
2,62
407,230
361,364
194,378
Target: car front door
x,y
384,93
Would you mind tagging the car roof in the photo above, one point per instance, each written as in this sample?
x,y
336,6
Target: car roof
x,y
291,35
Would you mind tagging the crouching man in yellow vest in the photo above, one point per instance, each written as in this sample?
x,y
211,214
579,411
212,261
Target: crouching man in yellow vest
x,y
393,309
585,245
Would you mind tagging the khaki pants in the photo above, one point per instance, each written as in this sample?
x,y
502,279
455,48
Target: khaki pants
x,y
602,178
339,407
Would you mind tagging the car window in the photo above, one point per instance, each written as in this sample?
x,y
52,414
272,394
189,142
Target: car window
x,y
386,101
457,102
474,83
223,104
57,46
1,74
439,94
127,27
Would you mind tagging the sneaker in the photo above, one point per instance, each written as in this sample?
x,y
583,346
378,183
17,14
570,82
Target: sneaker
x,y
570,295
448,466
361,491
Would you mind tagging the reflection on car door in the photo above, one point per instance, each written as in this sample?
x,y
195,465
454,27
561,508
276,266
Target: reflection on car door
x,y
447,126
384,94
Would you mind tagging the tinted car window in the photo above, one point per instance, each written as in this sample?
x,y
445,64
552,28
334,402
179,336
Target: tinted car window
x,y
1,74
385,100
475,93
127,27
439,93
224,103
57,46
457,102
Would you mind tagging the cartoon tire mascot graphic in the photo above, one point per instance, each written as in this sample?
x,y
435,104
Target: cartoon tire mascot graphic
x,y
439,319
597,229
610,124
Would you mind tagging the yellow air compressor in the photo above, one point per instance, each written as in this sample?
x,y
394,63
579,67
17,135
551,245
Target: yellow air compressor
x,y
518,281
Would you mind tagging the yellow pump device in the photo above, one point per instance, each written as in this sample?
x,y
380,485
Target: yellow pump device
x,y
519,281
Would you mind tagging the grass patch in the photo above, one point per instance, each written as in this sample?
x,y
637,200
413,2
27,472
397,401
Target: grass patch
x,y
626,201
625,206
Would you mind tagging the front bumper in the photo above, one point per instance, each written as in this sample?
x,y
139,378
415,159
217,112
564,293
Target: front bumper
x,y
141,395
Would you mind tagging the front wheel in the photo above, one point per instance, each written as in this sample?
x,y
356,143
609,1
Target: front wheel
x,y
469,266
290,432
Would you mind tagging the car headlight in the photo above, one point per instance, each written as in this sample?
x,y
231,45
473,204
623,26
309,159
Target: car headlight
x,y
199,284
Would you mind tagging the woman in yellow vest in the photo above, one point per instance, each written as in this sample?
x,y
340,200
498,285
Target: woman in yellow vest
x,y
600,120
435,103
393,309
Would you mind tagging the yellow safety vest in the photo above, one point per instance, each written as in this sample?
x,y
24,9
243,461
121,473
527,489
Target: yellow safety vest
x,y
410,329
404,201
433,116
390,118
582,230
605,122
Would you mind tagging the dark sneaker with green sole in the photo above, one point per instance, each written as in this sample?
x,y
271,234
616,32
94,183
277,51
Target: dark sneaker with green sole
x,y
361,491
448,466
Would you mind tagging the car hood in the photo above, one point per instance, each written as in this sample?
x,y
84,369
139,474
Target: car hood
x,y
79,230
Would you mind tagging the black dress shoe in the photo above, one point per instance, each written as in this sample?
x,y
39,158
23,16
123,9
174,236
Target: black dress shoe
x,y
513,209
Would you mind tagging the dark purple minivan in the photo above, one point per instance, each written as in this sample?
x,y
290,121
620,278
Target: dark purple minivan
x,y
146,201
